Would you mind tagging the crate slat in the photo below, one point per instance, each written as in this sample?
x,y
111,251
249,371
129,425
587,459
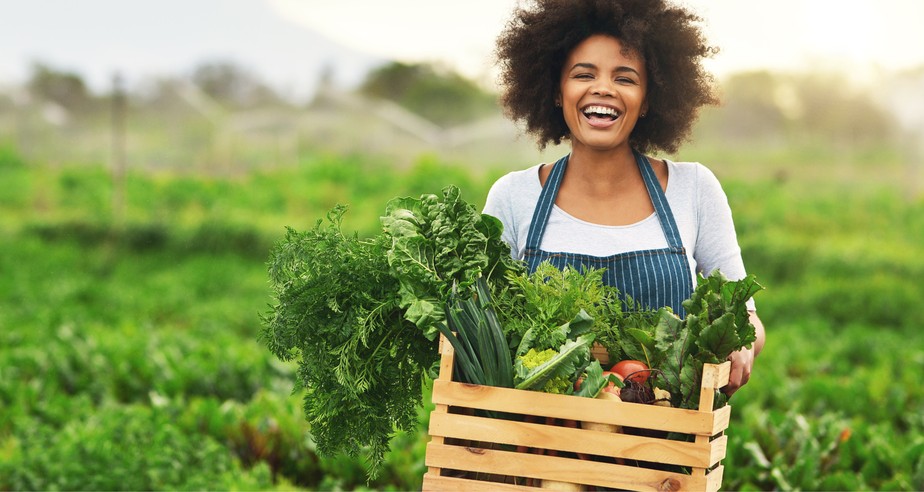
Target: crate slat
x,y
566,470
478,453
433,482
576,440
576,408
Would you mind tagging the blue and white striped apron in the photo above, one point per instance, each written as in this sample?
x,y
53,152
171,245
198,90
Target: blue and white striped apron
x,y
651,278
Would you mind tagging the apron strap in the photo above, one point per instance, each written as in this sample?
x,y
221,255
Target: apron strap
x,y
659,201
550,191
544,205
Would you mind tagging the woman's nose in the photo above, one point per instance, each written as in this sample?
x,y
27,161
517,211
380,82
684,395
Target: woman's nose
x,y
602,87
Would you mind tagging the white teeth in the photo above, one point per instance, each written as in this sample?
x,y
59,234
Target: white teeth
x,y
601,110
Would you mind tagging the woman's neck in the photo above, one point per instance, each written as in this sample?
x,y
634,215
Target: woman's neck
x,y
601,171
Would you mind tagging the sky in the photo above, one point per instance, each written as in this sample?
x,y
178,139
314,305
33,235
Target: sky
x,y
751,34
290,41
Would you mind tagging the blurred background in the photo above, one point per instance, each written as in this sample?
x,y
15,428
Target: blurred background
x,y
151,153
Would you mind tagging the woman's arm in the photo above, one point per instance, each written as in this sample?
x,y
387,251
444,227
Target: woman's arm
x,y
743,360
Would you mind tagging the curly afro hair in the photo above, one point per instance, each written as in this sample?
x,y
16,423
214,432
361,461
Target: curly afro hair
x,y
536,42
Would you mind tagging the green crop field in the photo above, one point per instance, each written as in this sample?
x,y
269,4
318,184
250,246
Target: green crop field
x,y
130,359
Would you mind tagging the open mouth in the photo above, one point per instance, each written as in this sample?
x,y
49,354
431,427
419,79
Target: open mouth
x,y
594,112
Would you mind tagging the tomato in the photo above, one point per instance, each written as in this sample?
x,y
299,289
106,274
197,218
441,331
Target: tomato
x,y
634,370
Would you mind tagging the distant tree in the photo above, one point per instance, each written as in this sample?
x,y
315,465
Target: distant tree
x,y
818,107
442,96
834,110
64,88
752,106
233,85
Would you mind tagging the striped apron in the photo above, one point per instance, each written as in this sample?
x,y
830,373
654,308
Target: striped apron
x,y
650,278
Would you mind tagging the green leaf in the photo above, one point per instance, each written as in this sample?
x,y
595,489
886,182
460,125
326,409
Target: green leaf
x,y
719,339
527,342
564,364
581,324
438,242
476,335
594,381
691,374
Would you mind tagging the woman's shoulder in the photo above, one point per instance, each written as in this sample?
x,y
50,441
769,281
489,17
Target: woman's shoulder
x,y
519,179
516,184
509,192
693,177
689,169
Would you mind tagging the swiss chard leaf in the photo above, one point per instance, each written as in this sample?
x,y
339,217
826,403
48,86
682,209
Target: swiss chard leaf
x,y
438,242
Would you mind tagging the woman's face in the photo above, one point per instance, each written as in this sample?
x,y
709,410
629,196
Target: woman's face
x,y
602,93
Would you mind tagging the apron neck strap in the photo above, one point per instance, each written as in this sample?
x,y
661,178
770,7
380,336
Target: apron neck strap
x,y
659,201
550,192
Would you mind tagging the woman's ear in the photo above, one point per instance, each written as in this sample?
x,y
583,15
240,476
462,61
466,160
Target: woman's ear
x,y
557,100
644,110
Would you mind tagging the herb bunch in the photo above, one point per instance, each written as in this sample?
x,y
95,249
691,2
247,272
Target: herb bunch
x,y
537,307
337,314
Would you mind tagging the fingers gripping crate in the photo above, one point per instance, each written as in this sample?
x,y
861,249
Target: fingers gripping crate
x,y
489,438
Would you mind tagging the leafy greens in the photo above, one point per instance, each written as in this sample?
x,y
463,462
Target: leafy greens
x,y
360,315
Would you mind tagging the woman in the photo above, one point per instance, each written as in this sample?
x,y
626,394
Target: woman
x,y
617,79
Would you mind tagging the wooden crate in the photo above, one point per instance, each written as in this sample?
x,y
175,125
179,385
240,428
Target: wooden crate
x,y
472,452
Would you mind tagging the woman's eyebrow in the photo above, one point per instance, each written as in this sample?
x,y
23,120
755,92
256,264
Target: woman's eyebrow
x,y
584,65
626,69
620,69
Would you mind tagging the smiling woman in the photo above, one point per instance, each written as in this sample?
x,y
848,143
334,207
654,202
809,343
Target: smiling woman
x,y
617,79
603,92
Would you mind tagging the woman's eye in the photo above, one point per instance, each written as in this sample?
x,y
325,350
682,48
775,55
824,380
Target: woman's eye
x,y
583,76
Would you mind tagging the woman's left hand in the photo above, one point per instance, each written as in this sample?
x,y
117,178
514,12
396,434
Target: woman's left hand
x,y
742,361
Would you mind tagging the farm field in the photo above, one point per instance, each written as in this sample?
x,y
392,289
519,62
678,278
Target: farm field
x,y
130,359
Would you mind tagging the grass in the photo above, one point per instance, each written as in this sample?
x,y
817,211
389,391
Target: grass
x,y
130,357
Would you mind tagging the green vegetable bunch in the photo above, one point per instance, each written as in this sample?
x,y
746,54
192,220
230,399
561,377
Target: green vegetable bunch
x,y
337,314
481,352
717,324
558,384
441,243
556,370
536,308
360,316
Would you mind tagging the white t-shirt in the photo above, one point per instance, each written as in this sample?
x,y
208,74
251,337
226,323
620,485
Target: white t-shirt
x,y
696,198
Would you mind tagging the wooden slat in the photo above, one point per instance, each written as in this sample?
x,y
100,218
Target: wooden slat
x,y
718,447
560,469
703,424
714,479
574,408
447,356
722,417
433,482
715,376
577,440
447,359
